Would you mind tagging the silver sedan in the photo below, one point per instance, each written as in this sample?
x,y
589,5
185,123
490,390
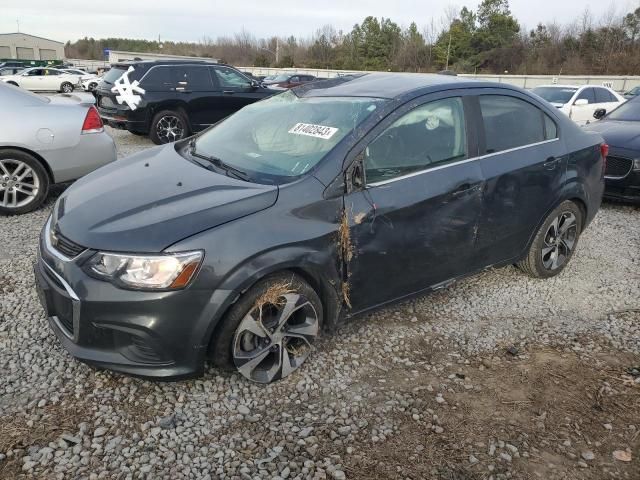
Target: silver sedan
x,y
46,140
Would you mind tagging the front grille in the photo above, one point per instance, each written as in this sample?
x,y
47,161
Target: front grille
x,y
618,167
65,246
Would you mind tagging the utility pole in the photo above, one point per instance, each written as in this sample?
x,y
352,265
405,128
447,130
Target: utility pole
x,y
18,22
277,50
448,50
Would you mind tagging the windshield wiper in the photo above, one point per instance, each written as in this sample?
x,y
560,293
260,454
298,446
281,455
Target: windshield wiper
x,y
217,162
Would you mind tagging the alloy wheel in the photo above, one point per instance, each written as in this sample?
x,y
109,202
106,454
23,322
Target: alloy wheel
x,y
274,339
67,88
19,184
170,128
559,240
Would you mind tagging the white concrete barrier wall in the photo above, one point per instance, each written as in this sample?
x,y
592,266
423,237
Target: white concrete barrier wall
x,y
618,83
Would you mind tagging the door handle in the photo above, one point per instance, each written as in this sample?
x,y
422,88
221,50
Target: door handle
x,y
464,188
550,163
228,91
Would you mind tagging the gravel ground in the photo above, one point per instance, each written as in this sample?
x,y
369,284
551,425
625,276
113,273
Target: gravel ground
x,y
421,389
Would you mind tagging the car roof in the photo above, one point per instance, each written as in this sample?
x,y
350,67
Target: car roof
x,y
389,85
561,85
151,63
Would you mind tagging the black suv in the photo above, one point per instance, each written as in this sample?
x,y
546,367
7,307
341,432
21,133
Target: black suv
x,y
180,97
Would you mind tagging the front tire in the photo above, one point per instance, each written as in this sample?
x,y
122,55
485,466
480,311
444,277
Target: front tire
x,y
270,331
168,126
555,242
24,182
66,87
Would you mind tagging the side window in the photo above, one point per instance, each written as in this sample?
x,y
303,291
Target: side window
x,y
604,96
195,79
52,72
35,73
428,135
229,78
510,122
550,128
587,94
157,79
294,79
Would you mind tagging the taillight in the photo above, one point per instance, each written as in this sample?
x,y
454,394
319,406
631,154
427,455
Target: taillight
x,y
92,122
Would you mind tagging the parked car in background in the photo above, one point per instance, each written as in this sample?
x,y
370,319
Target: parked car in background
x,y
91,84
634,92
43,79
288,80
180,97
5,71
16,64
621,130
579,102
46,140
250,239
81,74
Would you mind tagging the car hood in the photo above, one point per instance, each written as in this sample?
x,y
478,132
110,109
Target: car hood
x,y
618,133
149,201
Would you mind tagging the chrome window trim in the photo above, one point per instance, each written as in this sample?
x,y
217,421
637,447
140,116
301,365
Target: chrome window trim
x,y
459,162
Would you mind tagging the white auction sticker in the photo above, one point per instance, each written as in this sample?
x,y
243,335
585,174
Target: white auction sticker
x,y
318,131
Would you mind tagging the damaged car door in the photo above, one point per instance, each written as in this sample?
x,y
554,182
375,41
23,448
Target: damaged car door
x,y
415,201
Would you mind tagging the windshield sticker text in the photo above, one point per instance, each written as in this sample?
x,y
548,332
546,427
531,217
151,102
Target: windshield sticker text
x,y
318,131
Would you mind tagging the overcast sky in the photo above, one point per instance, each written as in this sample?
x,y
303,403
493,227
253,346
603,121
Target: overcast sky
x,y
191,20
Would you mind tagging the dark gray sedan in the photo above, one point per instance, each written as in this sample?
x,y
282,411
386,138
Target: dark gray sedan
x,y
246,243
46,140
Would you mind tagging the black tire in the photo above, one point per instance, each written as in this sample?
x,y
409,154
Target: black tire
x,y
163,121
224,339
9,158
540,261
66,87
92,86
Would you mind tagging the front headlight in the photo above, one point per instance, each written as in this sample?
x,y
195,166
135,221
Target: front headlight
x,y
156,272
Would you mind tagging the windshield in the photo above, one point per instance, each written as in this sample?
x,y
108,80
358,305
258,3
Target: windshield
x,y
628,111
555,94
281,78
114,74
284,136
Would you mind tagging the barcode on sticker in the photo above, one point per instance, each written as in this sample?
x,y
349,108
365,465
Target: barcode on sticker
x,y
318,131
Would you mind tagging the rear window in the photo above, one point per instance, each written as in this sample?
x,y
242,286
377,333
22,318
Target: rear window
x,y
116,72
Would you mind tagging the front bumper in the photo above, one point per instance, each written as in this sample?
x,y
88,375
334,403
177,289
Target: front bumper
x,y
626,189
150,334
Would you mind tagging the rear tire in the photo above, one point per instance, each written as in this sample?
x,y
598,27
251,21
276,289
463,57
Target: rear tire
x,y
66,87
24,182
276,320
168,126
555,242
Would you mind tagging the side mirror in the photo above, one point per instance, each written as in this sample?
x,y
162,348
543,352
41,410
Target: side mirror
x,y
255,84
580,102
599,113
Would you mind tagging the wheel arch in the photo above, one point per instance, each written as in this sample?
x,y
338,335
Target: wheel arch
x,y
312,274
171,105
35,155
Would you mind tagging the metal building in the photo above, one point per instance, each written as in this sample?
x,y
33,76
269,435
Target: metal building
x,y
22,46
116,56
